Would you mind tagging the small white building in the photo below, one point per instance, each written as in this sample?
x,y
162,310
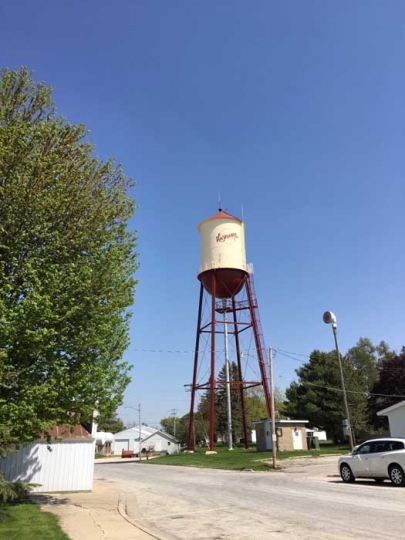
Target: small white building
x,y
64,464
318,433
396,418
152,440
290,435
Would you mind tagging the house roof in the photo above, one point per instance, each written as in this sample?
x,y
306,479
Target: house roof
x,y
163,434
146,433
384,412
65,432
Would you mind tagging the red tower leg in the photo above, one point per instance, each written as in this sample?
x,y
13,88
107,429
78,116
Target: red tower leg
x,y
190,445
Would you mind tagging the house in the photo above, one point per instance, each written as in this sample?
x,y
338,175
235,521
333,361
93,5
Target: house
x,y
151,440
66,463
396,418
104,442
291,435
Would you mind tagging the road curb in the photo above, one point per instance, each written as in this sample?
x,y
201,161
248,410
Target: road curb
x,y
122,510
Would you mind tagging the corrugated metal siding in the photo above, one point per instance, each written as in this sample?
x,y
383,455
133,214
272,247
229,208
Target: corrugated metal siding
x,y
62,466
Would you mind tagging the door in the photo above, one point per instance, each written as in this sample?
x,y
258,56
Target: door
x,y
120,445
360,462
378,462
158,446
297,439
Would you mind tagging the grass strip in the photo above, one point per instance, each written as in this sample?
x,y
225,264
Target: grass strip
x,y
26,520
240,458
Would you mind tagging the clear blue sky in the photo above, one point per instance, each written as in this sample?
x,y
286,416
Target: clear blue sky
x,y
293,109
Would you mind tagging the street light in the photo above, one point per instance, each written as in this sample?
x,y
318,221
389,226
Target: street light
x,y
330,318
139,426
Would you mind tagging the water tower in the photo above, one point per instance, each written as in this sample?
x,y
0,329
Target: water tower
x,y
227,288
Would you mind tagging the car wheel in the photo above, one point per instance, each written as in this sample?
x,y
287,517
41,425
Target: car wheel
x,y
346,473
397,475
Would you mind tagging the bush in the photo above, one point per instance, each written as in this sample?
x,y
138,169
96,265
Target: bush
x,y
12,492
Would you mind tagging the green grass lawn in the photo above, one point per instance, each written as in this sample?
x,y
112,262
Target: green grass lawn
x,y
239,458
26,521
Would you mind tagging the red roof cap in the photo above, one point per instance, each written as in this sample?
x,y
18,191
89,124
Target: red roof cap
x,y
220,215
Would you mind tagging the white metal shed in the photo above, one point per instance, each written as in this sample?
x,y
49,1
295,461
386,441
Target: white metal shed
x,y
64,464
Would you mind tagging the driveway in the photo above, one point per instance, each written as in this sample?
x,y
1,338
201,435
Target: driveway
x,y
306,500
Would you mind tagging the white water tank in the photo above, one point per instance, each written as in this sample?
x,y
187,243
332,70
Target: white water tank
x,y
222,254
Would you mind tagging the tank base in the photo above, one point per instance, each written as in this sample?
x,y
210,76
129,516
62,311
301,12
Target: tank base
x,y
228,281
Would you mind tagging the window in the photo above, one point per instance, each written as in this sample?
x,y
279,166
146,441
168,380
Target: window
x,y
382,447
396,445
388,446
169,443
365,449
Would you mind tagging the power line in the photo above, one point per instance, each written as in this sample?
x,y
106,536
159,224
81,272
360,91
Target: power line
x,y
379,367
290,352
292,358
286,354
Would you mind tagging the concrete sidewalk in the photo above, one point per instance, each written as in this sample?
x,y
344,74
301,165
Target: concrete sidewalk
x,y
98,515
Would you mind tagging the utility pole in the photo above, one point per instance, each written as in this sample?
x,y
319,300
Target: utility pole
x,y
330,318
352,440
273,411
174,412
228,382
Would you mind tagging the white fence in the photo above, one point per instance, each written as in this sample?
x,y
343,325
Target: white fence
x,y
67,465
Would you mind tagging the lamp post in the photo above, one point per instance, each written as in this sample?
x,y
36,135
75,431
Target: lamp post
x,y
139,426
330,318
273,411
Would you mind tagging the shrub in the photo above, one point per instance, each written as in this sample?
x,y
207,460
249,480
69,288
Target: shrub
x,y
11,492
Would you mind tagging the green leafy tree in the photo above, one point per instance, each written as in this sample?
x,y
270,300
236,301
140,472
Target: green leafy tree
x,y
314,396
361,372
317,396
170,424
279,400
182,424
221,404
110,424
67,261
203,413
389,389
255,404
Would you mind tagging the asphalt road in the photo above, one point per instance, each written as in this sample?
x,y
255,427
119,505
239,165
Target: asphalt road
x,y
305,501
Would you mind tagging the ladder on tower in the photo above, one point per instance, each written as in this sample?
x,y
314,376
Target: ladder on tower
x,y
259,339
256,316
